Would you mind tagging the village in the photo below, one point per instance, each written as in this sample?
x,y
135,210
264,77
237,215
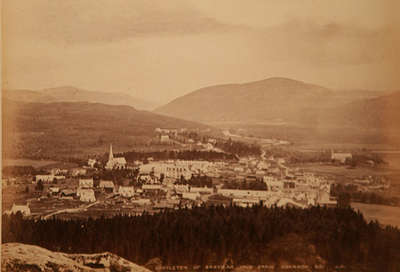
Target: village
x,y
118,187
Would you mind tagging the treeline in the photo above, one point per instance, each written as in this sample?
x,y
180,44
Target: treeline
x,y
239,148
258,184
212,235
351,192
18,171
132,156
196,181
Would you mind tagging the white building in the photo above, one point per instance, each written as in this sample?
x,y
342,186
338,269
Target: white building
x,y
45,178
273,184
54,190
180,188
91,163
126,191
245,202
151,187
86,195
191,195
340,157
86,183
115,163
78,172
204,190
164,138
23,209
244,193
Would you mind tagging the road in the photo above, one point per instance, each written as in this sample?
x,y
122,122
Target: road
x,y
71,210
261,141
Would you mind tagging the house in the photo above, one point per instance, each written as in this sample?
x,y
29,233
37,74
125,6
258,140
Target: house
x,y
107,186
219,200
45,178
341,157
238,169
245,202
204,190
179,188
59,177
208,146
164,138
273,184
92,163
115,163
126,191
191,195
151,187
86,195
78,172
142,201
243,193
286,202
23,209
176,171
86,183
54,190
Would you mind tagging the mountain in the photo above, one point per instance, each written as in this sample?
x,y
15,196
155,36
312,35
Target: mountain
x,y
23,257
72,94
381,114
68,128
269,101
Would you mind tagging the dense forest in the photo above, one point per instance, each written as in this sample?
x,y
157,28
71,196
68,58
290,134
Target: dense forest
x,y
205,235
196,181
351,191
239,148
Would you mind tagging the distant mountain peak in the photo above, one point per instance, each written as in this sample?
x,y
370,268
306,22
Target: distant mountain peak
x,y
73,94
289,100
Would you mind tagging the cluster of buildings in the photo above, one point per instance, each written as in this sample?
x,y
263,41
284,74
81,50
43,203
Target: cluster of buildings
x,y
168,184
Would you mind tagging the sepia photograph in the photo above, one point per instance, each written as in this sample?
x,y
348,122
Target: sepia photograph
x,y
200,135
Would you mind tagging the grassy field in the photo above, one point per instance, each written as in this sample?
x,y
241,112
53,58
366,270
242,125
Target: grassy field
x,y
386,215
337,170
27,162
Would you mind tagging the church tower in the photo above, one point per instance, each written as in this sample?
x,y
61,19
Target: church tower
x,y
110,155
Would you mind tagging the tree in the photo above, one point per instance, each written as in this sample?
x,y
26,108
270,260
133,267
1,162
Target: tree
x,y
39,186
343,200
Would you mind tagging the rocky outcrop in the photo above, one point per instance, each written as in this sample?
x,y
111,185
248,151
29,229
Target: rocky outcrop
x,y
22,257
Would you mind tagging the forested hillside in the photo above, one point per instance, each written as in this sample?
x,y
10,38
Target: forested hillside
x,y
207,235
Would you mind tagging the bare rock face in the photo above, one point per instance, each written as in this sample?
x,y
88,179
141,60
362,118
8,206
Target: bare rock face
x,y
22,257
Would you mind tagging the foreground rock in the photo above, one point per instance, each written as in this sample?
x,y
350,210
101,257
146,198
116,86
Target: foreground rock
x,y
22,257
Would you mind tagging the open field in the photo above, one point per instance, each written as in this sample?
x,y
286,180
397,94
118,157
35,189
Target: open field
x,y
386,215
27,162
337,170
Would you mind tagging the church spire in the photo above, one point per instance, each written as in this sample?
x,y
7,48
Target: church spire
x,y
110,155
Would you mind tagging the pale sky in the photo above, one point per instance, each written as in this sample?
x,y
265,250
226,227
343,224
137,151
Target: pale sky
x,y
159,50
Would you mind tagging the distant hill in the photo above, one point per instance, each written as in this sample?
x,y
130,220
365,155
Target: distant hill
x,y
23,257
72,94
66,129
380,113
273,100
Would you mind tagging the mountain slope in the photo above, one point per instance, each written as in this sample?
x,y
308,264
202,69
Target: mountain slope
x,y
72,94
22,257
380,113
272,100
65,128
